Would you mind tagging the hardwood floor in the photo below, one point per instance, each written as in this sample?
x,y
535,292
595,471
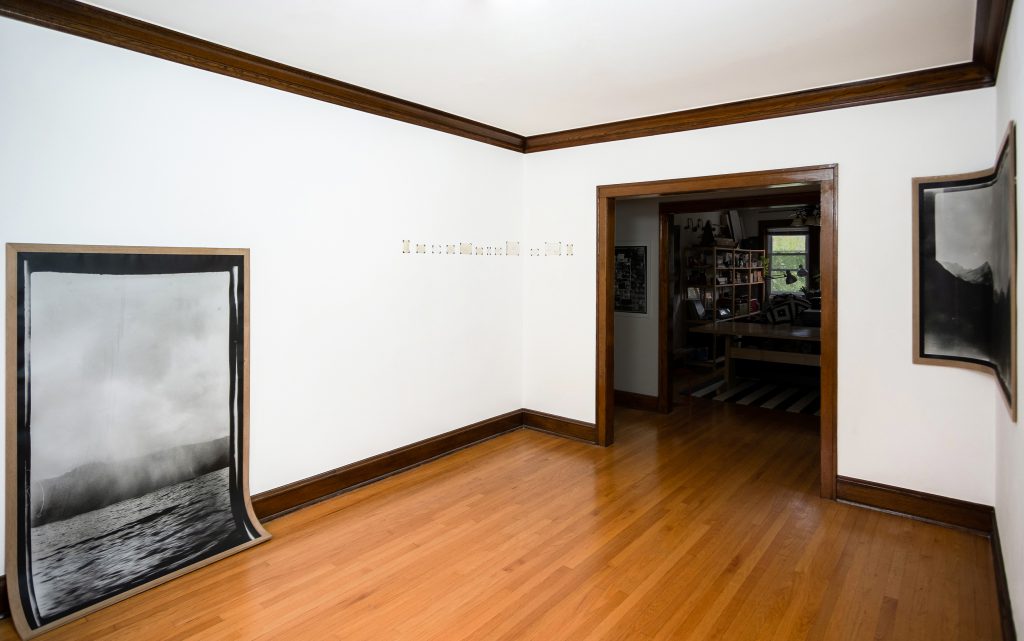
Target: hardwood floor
x,y
701,524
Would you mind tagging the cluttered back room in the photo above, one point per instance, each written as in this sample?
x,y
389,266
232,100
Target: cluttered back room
x,y
511,321
743,295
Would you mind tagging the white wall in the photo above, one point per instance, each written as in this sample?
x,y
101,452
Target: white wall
x,y
1009,463
914,426
636,335
356,348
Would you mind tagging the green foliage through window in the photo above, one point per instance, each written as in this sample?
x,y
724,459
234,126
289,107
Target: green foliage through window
x,y
786,251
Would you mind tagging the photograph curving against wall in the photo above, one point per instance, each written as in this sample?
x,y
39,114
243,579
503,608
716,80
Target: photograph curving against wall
x,y
965,270
127,414
631,279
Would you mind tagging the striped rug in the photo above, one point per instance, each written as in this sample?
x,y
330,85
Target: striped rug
x,y
789,398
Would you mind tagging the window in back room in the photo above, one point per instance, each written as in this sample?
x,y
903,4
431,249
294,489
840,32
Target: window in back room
x,y
787,260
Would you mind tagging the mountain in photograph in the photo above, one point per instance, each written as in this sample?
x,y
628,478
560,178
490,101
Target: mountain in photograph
x,y
956,309
96,485
981,275
1002,335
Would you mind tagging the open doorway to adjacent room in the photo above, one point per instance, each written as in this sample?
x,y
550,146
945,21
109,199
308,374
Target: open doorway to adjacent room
x,y
744,296
721,288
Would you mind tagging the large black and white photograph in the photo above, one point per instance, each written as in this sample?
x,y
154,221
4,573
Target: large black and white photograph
x,y
631,279
966,270
129,426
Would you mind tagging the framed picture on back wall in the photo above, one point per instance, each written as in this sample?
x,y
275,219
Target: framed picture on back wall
x,y
127,414
631,279
965,270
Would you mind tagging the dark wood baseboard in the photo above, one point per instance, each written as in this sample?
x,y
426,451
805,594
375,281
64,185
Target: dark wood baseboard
x,y
941,510
919,505
287,498
1002,588
635,401
560,426
282,500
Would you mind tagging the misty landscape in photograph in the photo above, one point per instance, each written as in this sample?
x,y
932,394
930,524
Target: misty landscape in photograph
x,y
131,431
966,273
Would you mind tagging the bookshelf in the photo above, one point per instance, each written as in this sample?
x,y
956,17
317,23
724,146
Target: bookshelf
x,y
726,279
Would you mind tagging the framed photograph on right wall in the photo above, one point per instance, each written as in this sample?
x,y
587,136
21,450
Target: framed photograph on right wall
x,y
965,270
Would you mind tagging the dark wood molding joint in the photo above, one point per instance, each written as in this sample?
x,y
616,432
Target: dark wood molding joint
x,y
94,23
108,27
284,499
636,401
919,505
287,498
940,510
560,426
991,22
112,28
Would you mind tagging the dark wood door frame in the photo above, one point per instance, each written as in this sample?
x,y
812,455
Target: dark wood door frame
x,y
826,178
664,315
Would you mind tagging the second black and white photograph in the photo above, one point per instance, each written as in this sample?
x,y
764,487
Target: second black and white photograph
x,y
967,269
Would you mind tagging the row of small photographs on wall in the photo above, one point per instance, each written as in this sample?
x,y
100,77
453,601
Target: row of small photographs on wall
x,y
511,248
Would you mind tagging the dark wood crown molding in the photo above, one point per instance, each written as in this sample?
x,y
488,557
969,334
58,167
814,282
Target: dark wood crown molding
x,y
69,16
992,19
916,84
111,28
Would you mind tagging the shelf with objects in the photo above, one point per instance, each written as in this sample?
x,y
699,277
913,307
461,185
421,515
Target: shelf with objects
x,y
754,270
723,283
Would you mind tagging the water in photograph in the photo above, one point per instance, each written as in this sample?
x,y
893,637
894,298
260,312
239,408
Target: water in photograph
x,y
101,553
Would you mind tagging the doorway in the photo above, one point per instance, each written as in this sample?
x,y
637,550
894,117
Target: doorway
x,y
823,180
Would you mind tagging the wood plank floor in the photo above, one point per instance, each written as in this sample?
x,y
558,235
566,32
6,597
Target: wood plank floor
x,y
704,524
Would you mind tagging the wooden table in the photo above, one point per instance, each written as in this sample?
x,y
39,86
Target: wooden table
x,y
731,330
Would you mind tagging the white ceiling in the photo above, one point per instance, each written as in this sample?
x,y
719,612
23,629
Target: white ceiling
x,y
537,66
